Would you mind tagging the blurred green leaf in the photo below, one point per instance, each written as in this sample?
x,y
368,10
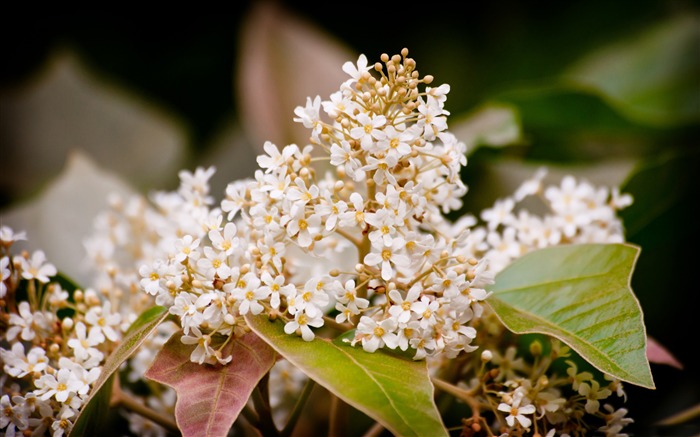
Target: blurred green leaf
x,y
653,76
568,123
581,295
396,392
494,125
663,187
94,406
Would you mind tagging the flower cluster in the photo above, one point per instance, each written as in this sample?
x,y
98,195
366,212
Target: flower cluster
x,y
396,171
49,362
575,211
348,232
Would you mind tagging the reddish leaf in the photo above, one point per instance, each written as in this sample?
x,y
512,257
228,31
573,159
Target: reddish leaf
x,y
209,398
284,60
660,355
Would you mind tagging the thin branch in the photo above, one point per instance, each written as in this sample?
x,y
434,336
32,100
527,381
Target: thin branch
x,y
375,431
338,417
298,408
123,399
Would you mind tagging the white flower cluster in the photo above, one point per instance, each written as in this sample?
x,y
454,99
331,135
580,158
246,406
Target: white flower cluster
x,y
397,171
49,362
575,211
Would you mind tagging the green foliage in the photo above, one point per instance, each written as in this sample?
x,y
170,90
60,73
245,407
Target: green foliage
x,y
394,391
581,295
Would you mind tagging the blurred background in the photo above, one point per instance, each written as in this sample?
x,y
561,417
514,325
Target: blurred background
x,y
608,91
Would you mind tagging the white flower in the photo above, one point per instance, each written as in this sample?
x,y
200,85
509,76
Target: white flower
x,y
187,248
593,393
185,308
63,424
531,186
152,277
343,155
499,213
61,386
28,324
355,71
388,257
302,321
377,334
309,115
214,263
203,351
401,309
8,236
368,130
18,365
83,344
103,322
226,241
4,274
248,293
517,412
13,417
274,287
274,159
355,216
36,267
301,226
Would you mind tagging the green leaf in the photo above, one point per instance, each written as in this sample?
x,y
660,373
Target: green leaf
x,y
210,398
491,124
651,76
662,188
394,391
98,400
581,295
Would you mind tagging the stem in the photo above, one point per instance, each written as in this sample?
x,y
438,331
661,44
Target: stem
x,y
262,407
338,417
31,294
682,417
340,327
375,431
298,407
459,393
123,399
349,237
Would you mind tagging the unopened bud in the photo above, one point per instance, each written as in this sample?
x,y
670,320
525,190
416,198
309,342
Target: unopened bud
x,y
486,356
536,348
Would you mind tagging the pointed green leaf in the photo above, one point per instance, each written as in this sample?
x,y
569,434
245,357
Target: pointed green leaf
x,y
210,398
137,333
581,295
394,391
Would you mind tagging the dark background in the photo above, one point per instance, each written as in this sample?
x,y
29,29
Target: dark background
x,y
185,62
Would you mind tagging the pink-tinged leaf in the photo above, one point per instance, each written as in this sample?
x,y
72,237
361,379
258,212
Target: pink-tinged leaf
x,y
283,61
138,332
660,355
210,398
